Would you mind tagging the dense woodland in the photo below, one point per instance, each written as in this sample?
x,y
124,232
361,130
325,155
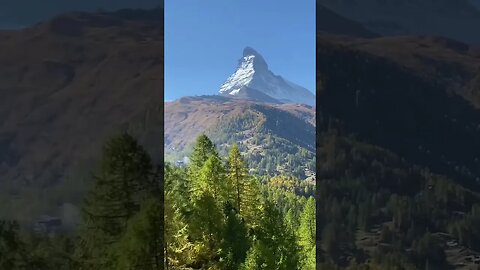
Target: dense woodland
x,y
376,211
122,220
397,157
279,150
217,216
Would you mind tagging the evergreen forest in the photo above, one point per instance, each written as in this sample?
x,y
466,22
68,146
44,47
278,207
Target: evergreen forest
x,y
210,214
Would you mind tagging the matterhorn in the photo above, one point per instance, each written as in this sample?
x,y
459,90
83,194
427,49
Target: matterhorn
x,y
254,81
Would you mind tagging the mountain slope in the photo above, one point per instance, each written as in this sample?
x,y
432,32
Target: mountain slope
x,y
65,86
398,141
383,99
331,22
253,78
450,63
277,138
453,19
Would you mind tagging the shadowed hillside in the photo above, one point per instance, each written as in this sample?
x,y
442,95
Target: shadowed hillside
x,y
397,157
65,86
394,102
454,19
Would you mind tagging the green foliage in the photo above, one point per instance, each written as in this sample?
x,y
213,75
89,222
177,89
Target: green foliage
x,y
12,249
21,250
218,216
212,178
125,181
238,176
228,219
279,151
376,209
235,239
141,246
179,250
202,150
307,233
428,250
275,245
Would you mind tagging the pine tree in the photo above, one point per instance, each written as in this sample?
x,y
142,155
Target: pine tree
x,y
179,220
12,249
202,150
126,177
307,233
238,175
250,202
245,188
235,239
206,228
212,178
178,186
290,219
258,258
276,246
141,247
178,247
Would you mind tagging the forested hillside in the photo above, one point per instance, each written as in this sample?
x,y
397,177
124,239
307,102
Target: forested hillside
x,y
122,220
219,216
397,154
276,138
216,216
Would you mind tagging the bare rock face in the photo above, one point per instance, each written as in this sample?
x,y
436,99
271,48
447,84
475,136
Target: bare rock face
x,y
253,80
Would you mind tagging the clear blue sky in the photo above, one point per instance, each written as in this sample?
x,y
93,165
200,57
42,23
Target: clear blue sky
x,y
205,38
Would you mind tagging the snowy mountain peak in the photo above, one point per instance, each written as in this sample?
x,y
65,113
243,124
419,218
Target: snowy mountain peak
x,y
253,80
250,55
248,51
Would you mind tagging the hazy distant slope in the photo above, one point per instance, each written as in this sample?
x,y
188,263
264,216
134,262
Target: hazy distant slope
x,y
69,83
331,22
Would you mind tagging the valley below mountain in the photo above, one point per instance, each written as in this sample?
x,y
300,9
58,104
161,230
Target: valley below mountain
x,y
276,138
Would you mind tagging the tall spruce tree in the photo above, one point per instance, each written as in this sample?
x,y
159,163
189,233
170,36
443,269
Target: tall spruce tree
x,y
275,246
202,150
141,247
212,179
238,175
235,239
125,178
206,230
178,247
307,233
250,202
245,188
